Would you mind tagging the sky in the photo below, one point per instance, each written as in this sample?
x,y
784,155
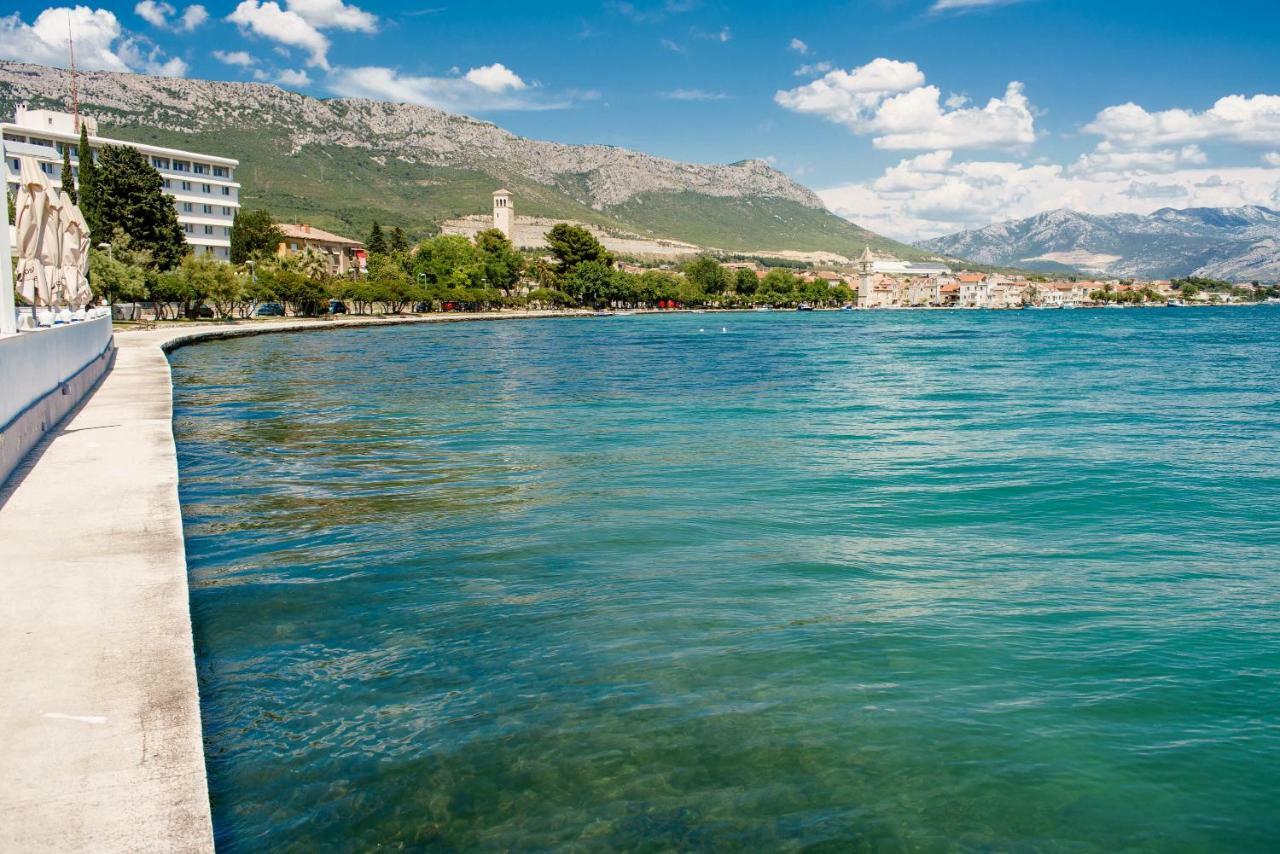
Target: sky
x,y
915,118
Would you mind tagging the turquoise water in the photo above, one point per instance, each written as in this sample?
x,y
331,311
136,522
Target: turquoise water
x,y
852,582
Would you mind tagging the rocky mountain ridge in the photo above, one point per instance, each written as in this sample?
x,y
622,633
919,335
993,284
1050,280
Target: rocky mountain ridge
x,y
1236,244
598,176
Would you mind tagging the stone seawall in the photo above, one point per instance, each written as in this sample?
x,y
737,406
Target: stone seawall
x,y
100,742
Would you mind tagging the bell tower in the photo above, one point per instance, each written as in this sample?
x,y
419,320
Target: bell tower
x,y
866,268
504,213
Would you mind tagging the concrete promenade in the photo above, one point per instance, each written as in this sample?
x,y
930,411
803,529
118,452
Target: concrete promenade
x,y
100,739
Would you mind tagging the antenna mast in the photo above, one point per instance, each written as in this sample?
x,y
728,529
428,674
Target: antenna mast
x,y
75,93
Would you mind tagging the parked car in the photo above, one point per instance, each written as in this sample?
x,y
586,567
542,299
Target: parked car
x,y
268,309
337,306
204,311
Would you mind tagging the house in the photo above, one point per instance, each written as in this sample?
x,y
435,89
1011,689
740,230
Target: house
x,y
974,290
344,255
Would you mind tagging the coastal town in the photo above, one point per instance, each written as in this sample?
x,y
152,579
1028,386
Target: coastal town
x,y
274,268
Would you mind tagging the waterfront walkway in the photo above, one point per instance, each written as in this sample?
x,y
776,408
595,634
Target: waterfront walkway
x,y
100,740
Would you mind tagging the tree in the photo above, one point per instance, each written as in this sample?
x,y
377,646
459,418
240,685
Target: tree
x,y
502,263
745,282
88,192
707,275
68,177
449,260
589,282
114,280
398,243
253,235
137,205
377,242
573,245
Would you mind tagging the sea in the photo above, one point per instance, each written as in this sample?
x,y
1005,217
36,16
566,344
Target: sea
x,y
765,581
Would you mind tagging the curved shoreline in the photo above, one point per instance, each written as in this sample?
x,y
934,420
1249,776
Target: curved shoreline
x,y
100,737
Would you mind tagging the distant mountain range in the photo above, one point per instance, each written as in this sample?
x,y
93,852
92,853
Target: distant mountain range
x,y
342,163
1236,244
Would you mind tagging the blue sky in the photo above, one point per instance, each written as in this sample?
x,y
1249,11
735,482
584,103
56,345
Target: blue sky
x,y
914,117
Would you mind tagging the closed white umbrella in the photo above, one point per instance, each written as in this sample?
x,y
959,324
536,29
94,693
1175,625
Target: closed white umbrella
x,y
82,258
32,209
51,247
68,259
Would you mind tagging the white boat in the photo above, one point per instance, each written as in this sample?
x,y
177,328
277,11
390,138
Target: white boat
x,y
762,308
1176,303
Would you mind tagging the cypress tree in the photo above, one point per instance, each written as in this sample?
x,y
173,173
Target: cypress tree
x,y
377,244
88,192
68,177
399,243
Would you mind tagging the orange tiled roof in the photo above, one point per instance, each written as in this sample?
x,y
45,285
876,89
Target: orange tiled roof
x,y
310,232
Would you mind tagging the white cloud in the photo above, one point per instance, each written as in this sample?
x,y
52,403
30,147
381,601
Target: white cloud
x,y
1106,161
799,46
291,77
1235,118
671,46
694,95
101,43
162,15
1272,158
192,17
813,68
333,15
235,57
268,20
491,87
967,5
155,14
889,101
934,194
495,78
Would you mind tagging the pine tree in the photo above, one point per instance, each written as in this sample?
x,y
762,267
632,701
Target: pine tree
x,y
377,244
399,243
68,177
139,208
88,192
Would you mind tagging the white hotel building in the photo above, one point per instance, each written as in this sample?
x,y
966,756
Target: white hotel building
x,y
203,187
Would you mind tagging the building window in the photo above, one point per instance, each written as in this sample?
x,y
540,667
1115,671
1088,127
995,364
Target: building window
x,y
208,229
207,188
186,207
208,209
181,166
226,231
164,182
226,191
200,169
226,211
220,171
186,185
188,228
47,168
160,162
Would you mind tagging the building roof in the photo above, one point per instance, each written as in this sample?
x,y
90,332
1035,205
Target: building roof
x,y
502,192
310,232
949,289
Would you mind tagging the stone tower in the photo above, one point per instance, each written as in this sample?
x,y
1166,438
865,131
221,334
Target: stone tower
x,y
504,213
866,270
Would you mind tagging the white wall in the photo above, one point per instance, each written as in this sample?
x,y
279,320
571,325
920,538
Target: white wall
x,y
32,364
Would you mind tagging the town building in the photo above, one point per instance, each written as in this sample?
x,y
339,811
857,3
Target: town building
x,y
202,186
504,213
344,255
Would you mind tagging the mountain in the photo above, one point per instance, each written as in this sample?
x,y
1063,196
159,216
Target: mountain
x,y
342,163
1236,244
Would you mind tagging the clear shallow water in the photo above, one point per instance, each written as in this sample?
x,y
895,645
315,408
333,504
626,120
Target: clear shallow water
x,y
873,581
